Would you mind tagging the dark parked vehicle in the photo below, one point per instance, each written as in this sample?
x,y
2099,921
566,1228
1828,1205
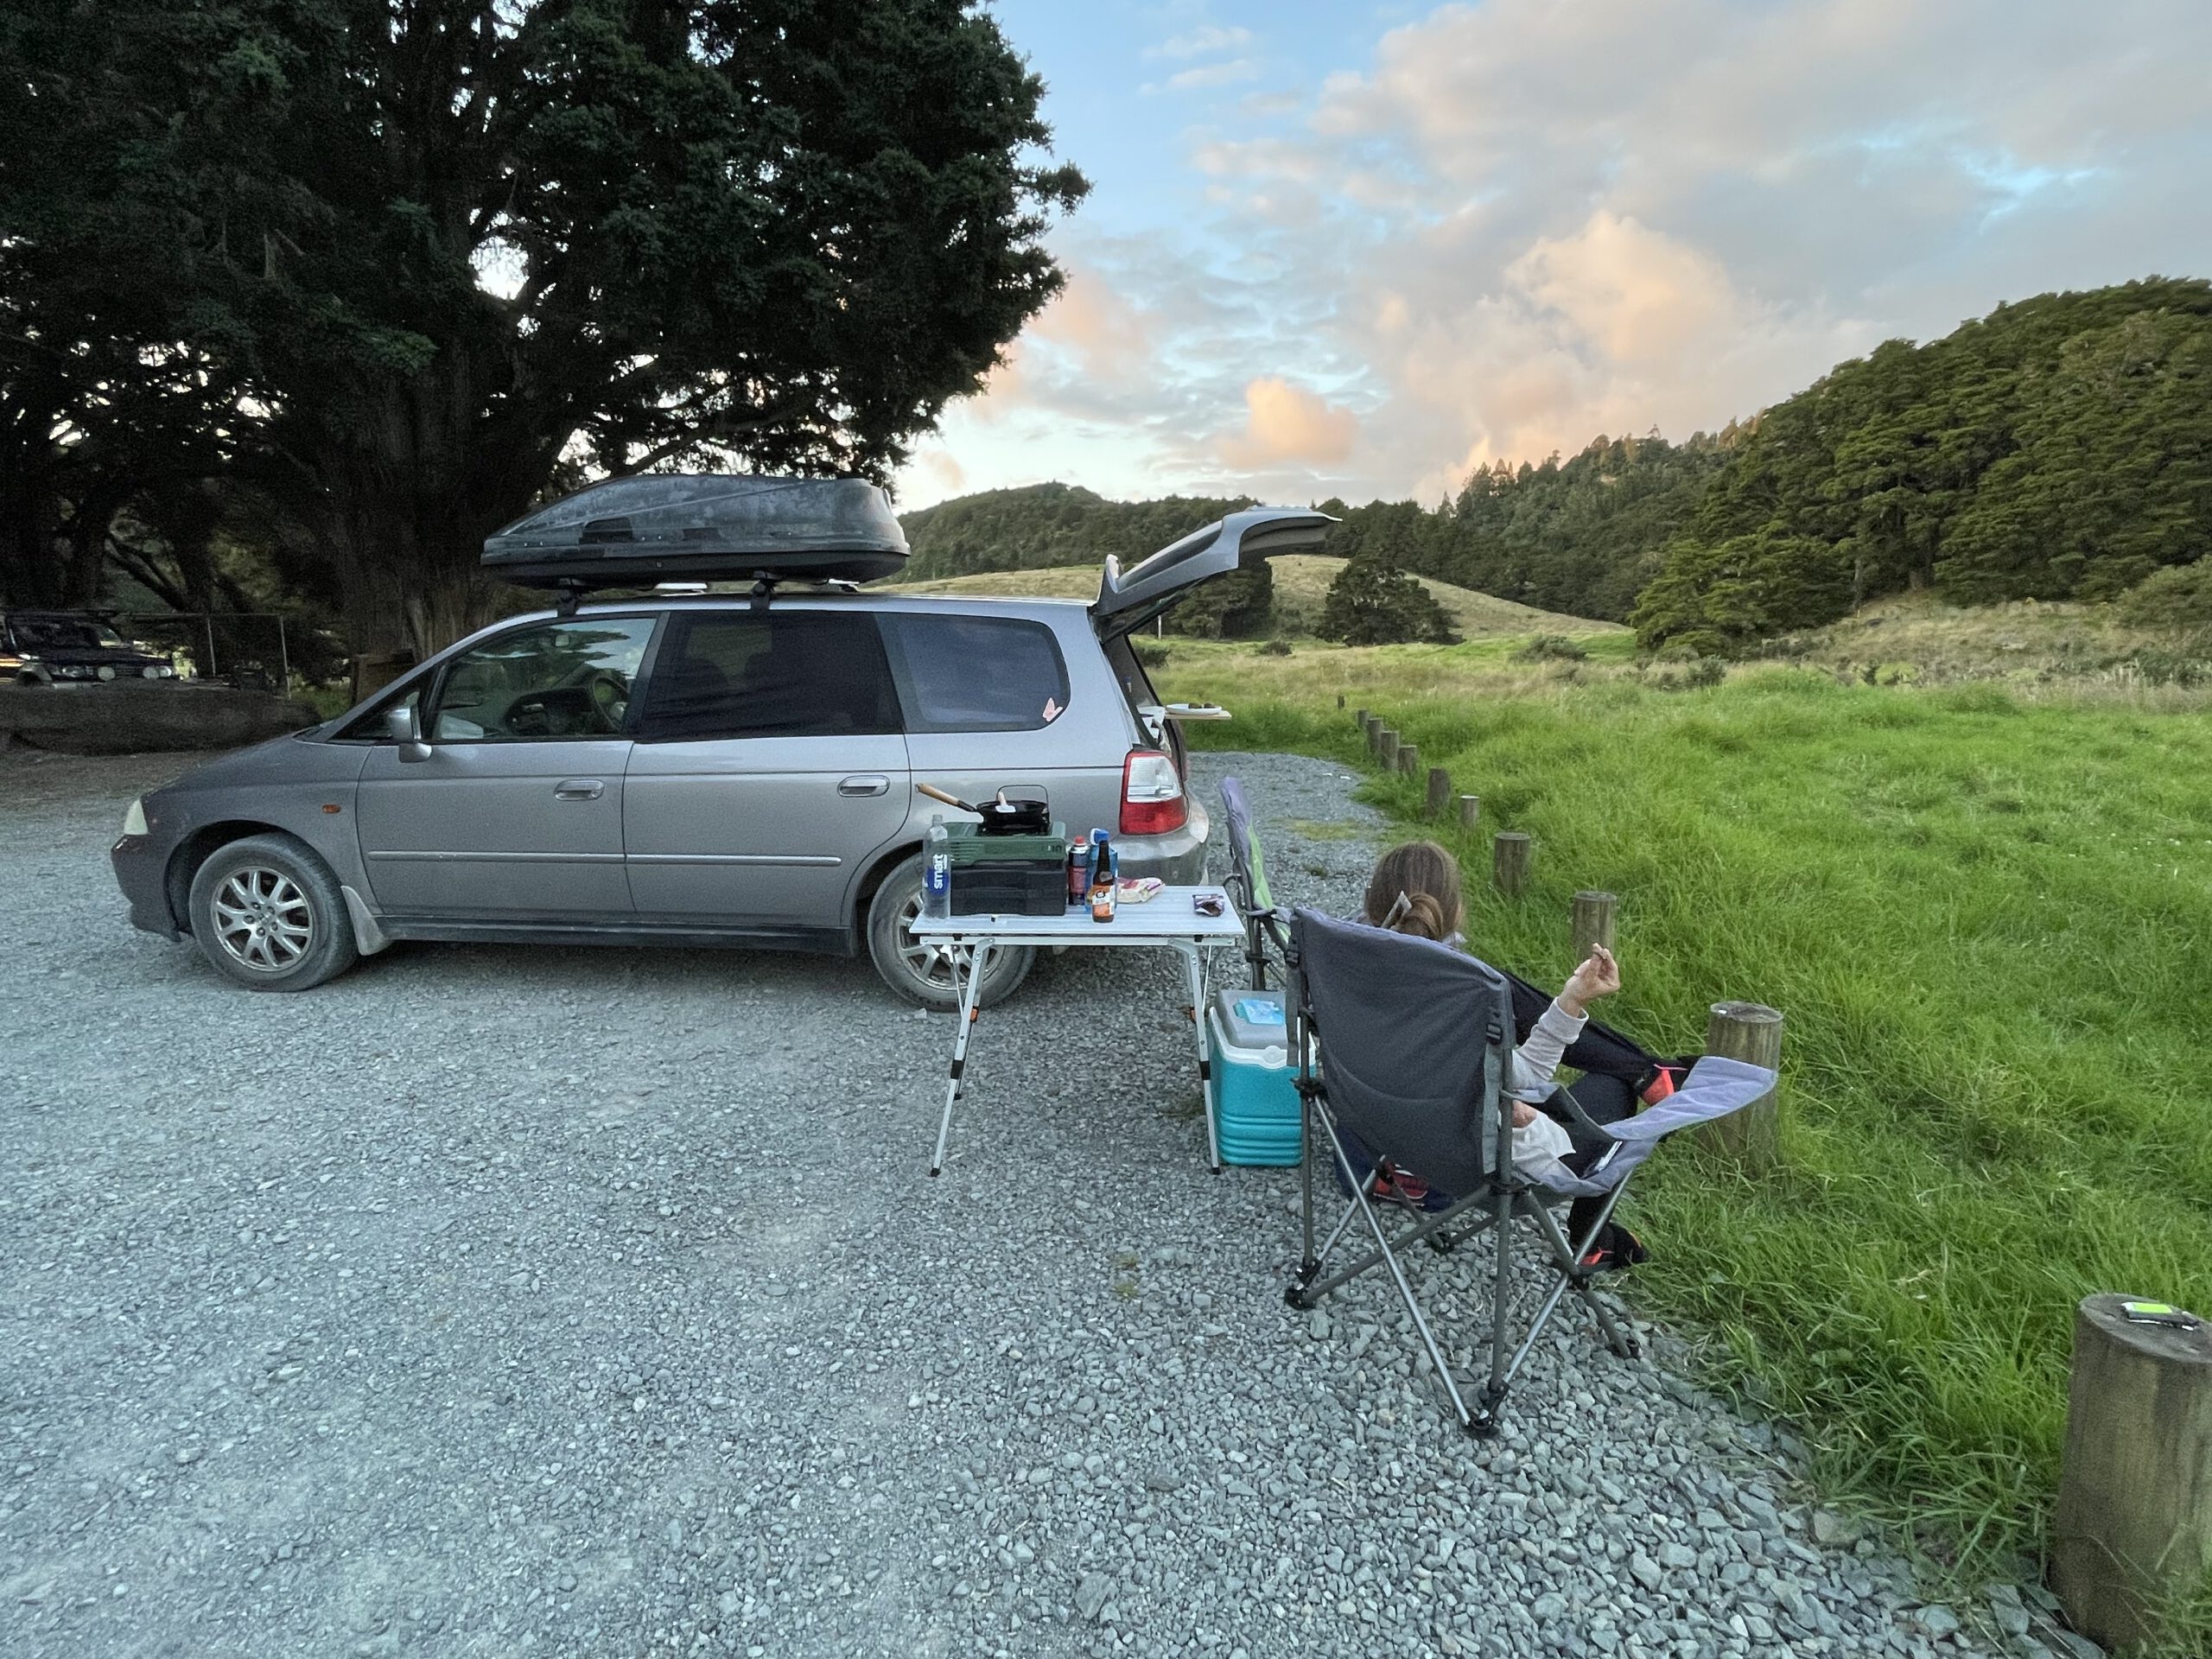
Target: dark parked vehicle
x,y
72,648
695,770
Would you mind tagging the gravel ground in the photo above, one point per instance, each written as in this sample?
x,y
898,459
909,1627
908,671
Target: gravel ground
x,y
492,1301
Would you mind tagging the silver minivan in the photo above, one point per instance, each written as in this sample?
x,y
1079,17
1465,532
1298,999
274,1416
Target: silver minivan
x,y
702,770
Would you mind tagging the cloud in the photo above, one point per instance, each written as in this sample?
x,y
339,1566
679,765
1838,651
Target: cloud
x,y
1213,37
1214,75
1284,422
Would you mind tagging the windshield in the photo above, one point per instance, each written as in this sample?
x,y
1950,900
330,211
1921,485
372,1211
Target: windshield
x,y
65,633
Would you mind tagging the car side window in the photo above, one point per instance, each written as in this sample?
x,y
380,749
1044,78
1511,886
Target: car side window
x,y
561,680
975,673
787,673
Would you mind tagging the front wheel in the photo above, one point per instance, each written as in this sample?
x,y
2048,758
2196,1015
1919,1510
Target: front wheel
x,y
267,912
920,969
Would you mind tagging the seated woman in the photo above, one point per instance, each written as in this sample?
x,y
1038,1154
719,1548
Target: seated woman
x,y
1415,889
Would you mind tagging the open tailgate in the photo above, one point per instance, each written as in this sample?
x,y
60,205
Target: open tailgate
x,y
1129,599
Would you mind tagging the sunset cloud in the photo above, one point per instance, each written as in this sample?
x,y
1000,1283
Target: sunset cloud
x,y
1284,422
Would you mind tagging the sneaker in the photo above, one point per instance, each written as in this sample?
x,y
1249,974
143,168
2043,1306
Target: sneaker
x,y
1402,1186
1616,1248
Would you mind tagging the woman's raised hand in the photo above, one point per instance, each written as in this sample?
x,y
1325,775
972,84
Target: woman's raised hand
x,y
1599,976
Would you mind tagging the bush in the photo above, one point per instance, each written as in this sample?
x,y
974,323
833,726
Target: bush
x,y
1375,604
1151,655
2179,596
1275,648
1551,648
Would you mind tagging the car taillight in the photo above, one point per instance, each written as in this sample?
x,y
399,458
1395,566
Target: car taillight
x,y
1152,795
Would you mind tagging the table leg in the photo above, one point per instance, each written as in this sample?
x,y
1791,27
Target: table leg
x,y
1195,970
978,959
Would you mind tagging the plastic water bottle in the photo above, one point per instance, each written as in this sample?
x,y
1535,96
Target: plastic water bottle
x,y
937,873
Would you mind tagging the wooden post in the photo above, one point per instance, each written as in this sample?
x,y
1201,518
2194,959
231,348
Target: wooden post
x,y
1751,1137
1439,791
1374,723
1508,858
1340,699
1592,922
1388,754
1409,759
2134,1523
1359,717
1471,811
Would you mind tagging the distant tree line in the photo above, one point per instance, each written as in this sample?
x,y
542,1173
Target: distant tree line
x,y
2060,447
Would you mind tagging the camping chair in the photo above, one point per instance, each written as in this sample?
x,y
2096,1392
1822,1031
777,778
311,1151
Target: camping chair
x,y
1248,884
1404,1046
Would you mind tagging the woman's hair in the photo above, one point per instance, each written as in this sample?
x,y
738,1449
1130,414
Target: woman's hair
x,y
1428,879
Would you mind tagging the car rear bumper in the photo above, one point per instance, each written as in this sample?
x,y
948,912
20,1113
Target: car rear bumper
x,y
1179,859
139,871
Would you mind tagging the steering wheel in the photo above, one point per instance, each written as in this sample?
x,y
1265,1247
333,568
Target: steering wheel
x,y
610,699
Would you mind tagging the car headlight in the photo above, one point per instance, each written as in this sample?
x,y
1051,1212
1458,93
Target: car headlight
x,y
157,671
107,671
133,821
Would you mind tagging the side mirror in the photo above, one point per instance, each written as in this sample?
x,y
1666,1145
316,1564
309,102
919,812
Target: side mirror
x,y
403,725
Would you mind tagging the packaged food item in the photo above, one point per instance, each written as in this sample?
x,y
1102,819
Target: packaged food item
x,y
1138,888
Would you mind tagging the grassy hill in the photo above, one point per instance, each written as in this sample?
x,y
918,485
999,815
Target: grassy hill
x,y
1301,586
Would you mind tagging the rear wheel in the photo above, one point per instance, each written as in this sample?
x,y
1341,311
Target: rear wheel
x,y
268,913
919,969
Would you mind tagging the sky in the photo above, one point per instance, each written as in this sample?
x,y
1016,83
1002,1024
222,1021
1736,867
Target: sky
x,y
1346,249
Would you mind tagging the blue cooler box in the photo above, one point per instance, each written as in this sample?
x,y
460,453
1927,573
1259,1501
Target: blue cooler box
x,y
1254,1079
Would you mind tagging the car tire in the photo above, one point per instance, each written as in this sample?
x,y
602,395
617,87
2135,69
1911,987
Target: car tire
x,y
267,912
923,973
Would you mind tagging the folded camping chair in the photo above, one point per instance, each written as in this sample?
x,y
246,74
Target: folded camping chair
x,y
1403,1050
1247,885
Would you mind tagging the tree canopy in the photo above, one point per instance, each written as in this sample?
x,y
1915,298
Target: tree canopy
x,y
413,263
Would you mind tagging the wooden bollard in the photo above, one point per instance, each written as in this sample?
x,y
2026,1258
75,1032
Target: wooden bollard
x,y
1374,724
1753,1032
1471,811
1591,921
1509,862
1409,759
2134,1523
1439,791
1387,753
1340,699
1359,717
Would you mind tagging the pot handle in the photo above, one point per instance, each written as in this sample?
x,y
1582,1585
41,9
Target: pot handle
x,y
936,794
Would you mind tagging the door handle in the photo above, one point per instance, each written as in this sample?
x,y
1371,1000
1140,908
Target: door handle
x,y
870,783
578,789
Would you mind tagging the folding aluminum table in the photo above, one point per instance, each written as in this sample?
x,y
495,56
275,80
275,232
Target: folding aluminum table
x,y
1167,921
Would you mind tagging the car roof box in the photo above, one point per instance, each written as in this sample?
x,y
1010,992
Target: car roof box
x,y
703,527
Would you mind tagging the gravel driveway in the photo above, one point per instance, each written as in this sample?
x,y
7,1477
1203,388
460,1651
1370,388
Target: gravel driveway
x,y
494,1301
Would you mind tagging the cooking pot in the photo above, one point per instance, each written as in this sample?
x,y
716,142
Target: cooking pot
x,y
1023,816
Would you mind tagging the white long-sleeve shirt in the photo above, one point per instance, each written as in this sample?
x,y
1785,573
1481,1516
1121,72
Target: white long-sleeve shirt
x,y
1528,1078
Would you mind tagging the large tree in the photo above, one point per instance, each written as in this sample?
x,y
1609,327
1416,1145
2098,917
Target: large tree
x,y
448,246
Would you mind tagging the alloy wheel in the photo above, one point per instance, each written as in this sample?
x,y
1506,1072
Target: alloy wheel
x,y
263,919
931,964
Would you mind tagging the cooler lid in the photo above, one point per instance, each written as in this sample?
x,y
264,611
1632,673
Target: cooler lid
x,y
702,526
1253,1019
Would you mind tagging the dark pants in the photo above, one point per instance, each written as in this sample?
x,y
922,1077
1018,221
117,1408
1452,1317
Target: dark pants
x,y
1603,1100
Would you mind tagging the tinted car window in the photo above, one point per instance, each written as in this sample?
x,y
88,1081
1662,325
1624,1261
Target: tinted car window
x,y
770,674
563,680
977,673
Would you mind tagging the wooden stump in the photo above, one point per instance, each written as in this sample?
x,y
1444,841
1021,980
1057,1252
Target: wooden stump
x,y
1471,811
1387,752
1409,759
1340,699
1439,791
1509,862
1751,1137
2134,1521
1592,922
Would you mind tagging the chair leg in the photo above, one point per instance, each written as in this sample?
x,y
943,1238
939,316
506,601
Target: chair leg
x,y
1427,1230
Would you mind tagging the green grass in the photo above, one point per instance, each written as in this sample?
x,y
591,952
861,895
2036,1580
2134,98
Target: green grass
x,y
1987,923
